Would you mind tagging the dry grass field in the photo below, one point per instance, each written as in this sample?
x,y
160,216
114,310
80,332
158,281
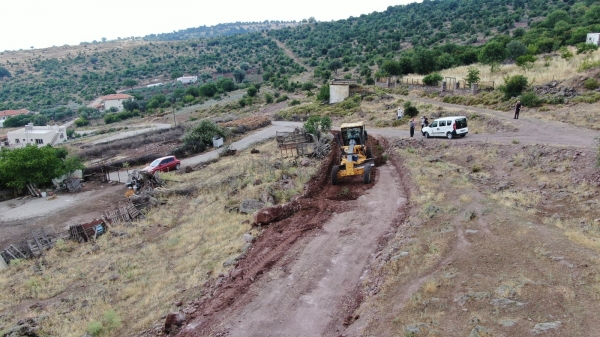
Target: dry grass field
x,y
491,245
131,277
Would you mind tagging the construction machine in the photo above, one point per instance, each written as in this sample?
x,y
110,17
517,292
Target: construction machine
x,y
356,156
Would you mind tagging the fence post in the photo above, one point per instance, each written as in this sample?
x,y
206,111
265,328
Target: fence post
x,y
443,86
474,88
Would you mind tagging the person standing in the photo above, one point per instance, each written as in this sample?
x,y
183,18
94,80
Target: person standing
x,y
422,122
517,109
400,113
412,127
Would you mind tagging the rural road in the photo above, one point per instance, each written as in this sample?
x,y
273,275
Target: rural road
x,y
263,134
323,277
530,131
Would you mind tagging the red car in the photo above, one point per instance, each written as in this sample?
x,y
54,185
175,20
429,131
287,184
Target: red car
x,y
164,164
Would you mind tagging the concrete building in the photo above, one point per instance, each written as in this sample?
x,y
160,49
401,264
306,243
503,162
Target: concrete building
x,y
593,38
339,90
114,100
188,79
10,113
39,135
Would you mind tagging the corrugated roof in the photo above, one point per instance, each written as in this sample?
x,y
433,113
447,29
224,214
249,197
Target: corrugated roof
x,y
13,112
115,96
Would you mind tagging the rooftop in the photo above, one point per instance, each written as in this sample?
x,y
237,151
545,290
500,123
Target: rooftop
x,y
13,112
116,96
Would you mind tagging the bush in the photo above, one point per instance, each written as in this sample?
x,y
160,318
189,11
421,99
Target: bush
x,y
317,124
591,84
433,79
323,93
410,110
282,98
203,134
294,102
269,98
79,122
514,86
530,99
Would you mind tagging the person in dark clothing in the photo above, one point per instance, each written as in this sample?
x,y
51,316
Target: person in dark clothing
x,y
426,121
412,127
517,109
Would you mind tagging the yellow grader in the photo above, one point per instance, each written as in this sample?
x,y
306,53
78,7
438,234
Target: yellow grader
x,y
356,157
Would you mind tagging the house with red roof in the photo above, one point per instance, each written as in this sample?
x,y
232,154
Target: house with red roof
x,y
113,100
11,113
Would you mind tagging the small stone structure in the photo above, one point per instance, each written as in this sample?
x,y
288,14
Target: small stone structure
x,y
339,90
593,38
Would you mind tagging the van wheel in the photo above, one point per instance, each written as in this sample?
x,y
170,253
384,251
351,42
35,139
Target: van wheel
x,y
426,135
462,136
367,174
449,135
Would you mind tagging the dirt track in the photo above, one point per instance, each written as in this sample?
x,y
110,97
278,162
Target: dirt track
x,y
310,264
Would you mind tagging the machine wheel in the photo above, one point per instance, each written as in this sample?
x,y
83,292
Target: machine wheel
x,y
369,152
426,135
334,173
367,174
177,167
463,135
449,135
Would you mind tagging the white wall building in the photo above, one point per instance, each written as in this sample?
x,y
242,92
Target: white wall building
x,y
339,90
39,135
593,38
188,79
11,113
114,100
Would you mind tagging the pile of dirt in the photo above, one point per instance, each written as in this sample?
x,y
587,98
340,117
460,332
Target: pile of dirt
x,y
291,222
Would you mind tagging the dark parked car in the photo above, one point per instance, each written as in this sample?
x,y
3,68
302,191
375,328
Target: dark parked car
x,y
164,164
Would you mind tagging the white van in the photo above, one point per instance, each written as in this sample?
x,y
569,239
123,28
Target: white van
x,y
449,127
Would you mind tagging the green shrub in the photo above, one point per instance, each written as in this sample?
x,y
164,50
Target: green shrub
x,y
588,97
530,99
410,110
269,98
514,85
294,102
433,79
95,328
79,122
317,124
282,98
591,84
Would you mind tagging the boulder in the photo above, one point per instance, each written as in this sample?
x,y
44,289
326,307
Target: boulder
x,y
174,319
248,238
250,205
480,331
304,162
543,327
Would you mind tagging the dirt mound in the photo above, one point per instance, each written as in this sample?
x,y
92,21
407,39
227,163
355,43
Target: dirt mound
x,y
289,223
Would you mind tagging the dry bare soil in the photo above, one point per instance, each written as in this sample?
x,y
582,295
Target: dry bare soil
x,y
453,238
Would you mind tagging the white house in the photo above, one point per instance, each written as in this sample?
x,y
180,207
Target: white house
x,y
339,90
39,135
10,113
113,100
593,38
188,79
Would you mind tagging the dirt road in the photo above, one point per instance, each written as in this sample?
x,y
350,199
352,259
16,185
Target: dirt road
x,y
308,293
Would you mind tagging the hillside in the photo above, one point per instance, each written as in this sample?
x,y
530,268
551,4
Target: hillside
x,y
56,76
222,29
417,38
